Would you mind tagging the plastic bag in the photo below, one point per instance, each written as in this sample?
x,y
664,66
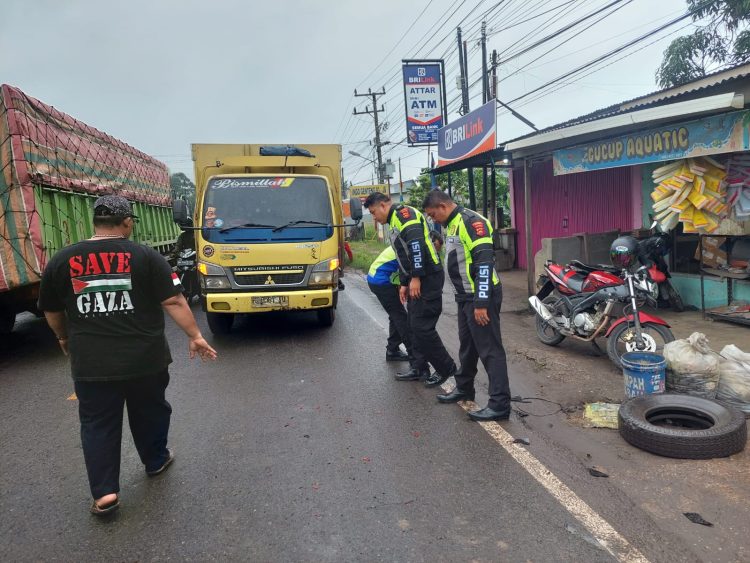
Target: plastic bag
x,y
692,367
734,381
601,415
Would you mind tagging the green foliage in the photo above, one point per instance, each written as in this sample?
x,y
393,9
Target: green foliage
x,y
723,40
460,189
365,253
183,188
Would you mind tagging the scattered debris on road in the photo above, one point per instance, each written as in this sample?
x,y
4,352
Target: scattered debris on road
x,y
696,518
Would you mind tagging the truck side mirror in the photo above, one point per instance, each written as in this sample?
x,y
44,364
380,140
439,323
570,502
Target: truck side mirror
x,y
355,208
180,213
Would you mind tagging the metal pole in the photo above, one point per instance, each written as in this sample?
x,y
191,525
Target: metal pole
x,y
485,77
377,137
493,191
450,188
527,219
400,182
462,71
470,171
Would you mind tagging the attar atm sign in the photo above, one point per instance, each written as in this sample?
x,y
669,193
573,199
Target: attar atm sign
x,y
472,134
424,99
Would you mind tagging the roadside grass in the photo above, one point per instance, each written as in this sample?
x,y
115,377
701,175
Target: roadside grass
x,y
365,251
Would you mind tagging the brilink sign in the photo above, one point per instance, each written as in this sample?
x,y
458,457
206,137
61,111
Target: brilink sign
x,y
471,134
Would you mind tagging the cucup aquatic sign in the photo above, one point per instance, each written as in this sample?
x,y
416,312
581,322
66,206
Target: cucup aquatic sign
x,y
424,100
724,133
469,135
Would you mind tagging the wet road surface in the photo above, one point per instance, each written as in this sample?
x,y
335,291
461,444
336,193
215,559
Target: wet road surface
x,y
296,445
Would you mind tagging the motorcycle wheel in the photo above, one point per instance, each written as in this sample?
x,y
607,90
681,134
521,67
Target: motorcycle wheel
x,y
656,337
546,333
675,300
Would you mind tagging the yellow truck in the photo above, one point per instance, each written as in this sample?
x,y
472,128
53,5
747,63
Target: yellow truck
x,y
269,229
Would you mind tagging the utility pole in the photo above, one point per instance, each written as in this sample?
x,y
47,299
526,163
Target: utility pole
x,y
461,66
485,96
400,182
496,221
462,54
374,112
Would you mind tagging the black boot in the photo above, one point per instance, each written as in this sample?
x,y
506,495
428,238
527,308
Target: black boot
x,y
396,356
436,379
455,396
414,374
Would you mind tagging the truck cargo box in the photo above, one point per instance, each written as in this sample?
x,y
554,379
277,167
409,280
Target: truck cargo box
x,y
52,168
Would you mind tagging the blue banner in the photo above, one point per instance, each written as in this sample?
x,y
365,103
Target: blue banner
x,y
471,134
423,96
728,132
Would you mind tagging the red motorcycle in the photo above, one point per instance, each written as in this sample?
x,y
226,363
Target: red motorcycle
x,y
587,302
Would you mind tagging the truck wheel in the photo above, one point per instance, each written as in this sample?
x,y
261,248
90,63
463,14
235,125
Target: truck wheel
x,y
682,426
326,316
220,323
7,321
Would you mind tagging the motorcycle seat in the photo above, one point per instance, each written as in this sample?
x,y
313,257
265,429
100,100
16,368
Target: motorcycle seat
x,y
587,268
573,279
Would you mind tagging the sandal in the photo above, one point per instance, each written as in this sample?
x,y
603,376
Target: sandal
x,y
108,508
170,459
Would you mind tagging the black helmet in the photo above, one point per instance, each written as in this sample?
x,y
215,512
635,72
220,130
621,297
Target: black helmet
x,y
623,252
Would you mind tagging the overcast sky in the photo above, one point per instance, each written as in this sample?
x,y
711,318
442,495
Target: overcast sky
x,y
162,74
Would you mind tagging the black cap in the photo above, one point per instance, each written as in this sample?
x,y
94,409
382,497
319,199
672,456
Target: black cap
x,y
113,206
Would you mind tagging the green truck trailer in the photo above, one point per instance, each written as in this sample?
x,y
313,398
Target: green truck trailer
x,y
52,169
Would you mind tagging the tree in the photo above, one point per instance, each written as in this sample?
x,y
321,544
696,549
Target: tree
x,y
724,40
460,189
183,188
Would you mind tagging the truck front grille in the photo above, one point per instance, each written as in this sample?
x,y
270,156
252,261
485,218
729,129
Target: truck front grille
x,y
269,275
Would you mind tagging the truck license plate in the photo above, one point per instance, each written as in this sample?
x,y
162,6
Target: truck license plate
x,y
270,301
185,262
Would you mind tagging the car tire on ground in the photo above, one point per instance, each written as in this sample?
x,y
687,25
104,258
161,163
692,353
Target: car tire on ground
x,y
7,320
682,426
220,323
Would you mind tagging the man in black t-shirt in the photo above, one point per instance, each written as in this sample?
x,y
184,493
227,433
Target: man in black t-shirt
x,y
105,298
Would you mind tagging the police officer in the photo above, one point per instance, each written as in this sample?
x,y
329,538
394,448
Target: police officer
x,y
384,282
422,280
470,262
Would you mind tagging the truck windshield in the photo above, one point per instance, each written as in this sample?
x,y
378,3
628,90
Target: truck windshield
x,y
251,208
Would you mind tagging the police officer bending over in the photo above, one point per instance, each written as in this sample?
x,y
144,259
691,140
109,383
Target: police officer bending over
x,y
383,280
470,262
421,290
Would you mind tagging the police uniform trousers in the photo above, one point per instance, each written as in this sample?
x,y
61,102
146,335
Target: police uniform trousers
x,y
485,343
398,321
423,317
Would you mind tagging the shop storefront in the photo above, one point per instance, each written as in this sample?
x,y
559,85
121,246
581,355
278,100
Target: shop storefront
x,y
695,182
680,157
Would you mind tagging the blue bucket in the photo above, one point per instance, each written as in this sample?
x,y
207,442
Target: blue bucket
x,y
643,373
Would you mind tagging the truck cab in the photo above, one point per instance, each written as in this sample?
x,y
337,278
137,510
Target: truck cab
x,y
269,230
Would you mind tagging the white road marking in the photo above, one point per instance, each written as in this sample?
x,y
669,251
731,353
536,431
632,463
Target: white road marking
x,y
605,534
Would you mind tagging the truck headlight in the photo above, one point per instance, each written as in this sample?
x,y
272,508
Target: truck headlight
x,y
210,269
325,273
213,276
215,282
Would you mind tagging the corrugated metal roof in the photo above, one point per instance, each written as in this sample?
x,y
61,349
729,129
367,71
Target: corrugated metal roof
x,y
709,81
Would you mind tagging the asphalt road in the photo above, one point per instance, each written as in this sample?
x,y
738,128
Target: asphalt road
x,y
296,445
